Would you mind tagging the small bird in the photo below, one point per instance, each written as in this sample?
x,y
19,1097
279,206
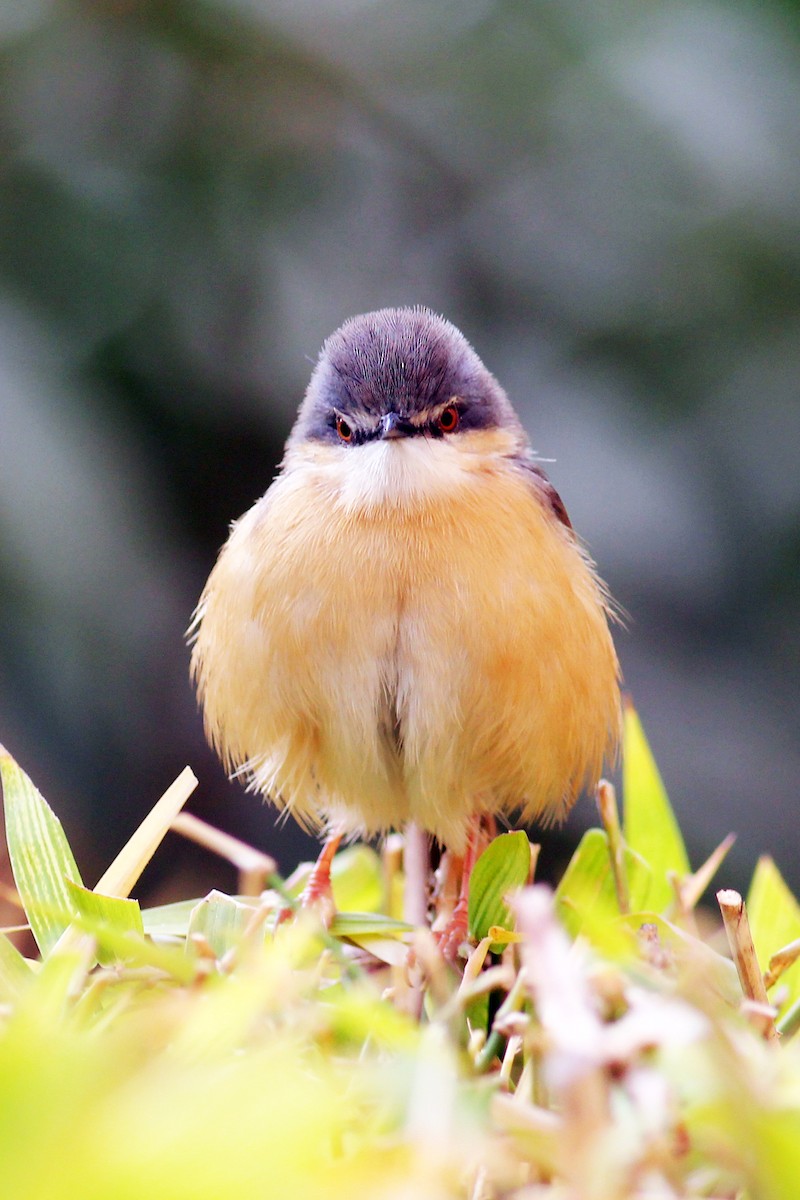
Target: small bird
x,y
405,628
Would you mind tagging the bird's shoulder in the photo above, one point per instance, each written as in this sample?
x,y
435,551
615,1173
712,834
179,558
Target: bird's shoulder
x,y
539,483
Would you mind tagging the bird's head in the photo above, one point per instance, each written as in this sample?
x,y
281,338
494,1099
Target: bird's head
x,y
399,373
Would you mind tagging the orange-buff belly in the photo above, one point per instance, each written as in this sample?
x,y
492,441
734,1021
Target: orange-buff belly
x,y
367,665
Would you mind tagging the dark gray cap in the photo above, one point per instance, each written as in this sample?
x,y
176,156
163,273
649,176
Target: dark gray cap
x,y
405,361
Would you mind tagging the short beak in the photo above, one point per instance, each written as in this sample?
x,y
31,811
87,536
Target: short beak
x,y
391,426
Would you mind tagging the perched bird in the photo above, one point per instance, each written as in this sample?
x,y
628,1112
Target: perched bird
x,y
405,628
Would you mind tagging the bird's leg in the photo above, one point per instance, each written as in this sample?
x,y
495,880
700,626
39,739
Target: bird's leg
x,y
318,893
455,931
417,864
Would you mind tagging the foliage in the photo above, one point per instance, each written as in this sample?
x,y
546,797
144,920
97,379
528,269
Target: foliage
x,y
594,1045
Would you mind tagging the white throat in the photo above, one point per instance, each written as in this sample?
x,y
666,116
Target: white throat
x,y
400,471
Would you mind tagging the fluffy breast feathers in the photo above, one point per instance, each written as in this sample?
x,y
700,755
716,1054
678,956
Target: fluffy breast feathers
x,y
409,634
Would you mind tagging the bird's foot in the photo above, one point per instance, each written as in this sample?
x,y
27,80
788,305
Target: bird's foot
x,y
318,898
455,933
317,895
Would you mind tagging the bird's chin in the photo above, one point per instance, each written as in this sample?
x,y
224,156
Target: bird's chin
x,y
399,472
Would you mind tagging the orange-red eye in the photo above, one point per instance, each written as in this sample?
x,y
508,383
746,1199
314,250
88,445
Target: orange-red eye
x,y
344,431
448,420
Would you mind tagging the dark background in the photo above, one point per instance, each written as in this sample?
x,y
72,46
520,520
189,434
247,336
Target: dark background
x,y
605,197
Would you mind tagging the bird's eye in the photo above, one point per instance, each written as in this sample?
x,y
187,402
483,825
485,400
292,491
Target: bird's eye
x,y
448,419
344,430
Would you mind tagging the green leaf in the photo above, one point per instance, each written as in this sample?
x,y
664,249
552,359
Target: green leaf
x,y
774,916
221,920
114,912
41,859
356,1018
118,913
504,865
649,824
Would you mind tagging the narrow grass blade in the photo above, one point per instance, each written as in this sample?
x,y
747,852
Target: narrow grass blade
x,y
254,866
41,858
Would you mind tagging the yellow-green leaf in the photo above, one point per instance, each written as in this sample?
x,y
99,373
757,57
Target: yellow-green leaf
x,y
120,913
649,823
357,880
774,916
41,859
136,949
15,970
356,925
586,898
587,881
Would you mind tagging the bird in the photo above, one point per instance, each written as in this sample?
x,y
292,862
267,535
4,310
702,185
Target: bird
x,y
405,627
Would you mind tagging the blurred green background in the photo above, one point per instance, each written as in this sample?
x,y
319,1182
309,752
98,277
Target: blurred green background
x,y
605,197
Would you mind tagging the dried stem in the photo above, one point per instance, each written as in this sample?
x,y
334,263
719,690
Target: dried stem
x,y
740,940
609,814
134,856
781,961
692,888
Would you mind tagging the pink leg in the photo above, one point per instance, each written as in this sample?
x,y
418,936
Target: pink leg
x,y
455,931
318,893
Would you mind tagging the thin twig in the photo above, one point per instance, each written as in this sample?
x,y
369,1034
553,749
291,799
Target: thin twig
x,y
253,865
494,1043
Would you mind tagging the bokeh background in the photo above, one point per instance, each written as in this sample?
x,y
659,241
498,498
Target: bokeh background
x,y
605,197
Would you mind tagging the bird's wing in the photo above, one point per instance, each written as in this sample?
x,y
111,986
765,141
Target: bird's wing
x,y
545,490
